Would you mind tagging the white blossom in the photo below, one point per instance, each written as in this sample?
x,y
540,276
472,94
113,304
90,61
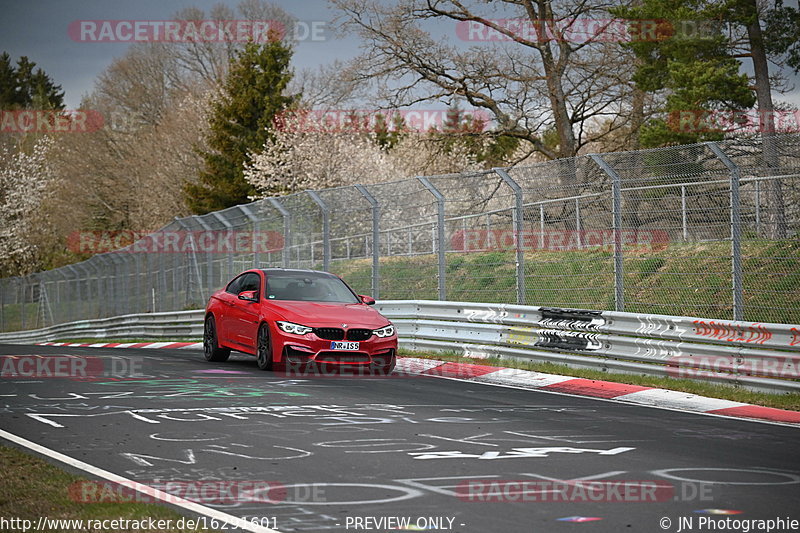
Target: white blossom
x,y
316,156
25,181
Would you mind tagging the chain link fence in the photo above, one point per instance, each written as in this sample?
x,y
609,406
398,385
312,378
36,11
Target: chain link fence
x,y
708,230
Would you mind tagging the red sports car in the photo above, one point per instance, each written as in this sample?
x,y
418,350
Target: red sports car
x,y
297,319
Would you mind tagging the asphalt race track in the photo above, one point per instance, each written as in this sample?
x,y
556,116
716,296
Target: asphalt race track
x,y
342,452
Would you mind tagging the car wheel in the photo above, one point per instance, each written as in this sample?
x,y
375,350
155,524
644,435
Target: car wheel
x,y
211,348
264,348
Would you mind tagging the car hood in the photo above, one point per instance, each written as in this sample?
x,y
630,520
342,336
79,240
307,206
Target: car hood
x,y
316,314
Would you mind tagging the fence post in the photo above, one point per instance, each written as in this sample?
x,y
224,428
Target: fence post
x,y
256,229
100,279
518,222
684,216
114,285
758,207
63,306
229,229
616,208
192,267
209,258
376,239
326,230
287,230
736,231
440,240
77,294
3,287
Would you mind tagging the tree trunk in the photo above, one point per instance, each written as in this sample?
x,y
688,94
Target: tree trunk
x,y
776,211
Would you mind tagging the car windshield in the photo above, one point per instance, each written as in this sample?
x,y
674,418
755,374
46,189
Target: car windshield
x,y
308,287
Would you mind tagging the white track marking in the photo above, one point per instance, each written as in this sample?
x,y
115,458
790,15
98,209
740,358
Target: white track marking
x,y
192,507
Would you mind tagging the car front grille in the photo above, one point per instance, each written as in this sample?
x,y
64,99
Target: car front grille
x,y
329,334
359,334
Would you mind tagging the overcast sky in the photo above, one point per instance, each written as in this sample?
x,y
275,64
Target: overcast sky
x,y
38,29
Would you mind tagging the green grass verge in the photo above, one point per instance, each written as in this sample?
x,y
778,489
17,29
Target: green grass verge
x,y
684,279
789,401
31,488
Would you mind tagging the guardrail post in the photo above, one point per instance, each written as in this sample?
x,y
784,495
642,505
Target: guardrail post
x,y
518,222
616,208
441,245
376,239
736,231
326,230
287,230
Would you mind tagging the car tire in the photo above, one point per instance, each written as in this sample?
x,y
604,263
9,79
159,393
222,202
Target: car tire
x,y
211,349
264,348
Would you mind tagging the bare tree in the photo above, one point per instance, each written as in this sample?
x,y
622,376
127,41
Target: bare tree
x,y
546,81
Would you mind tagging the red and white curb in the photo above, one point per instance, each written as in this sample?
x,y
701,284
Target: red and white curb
x,y
149,345
634,394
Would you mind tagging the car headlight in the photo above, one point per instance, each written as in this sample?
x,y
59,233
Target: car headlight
x,y
386,331
291,327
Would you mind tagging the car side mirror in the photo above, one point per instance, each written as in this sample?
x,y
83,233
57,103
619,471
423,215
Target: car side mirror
x,y
369,300
249,296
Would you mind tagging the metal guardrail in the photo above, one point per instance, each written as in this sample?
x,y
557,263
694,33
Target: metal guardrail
x,y
179,324
762,356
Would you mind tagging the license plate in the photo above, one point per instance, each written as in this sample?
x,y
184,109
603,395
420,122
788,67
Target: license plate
x,y
349,346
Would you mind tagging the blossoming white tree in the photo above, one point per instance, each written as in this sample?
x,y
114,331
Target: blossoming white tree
x,y
25,181
309,153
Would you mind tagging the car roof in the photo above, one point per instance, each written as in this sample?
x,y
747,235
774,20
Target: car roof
x,y
269,271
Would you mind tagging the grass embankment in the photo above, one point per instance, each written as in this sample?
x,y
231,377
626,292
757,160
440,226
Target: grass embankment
x,y
683,279
31,488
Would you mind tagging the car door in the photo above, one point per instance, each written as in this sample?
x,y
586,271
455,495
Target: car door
x,y
245,325
227,319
